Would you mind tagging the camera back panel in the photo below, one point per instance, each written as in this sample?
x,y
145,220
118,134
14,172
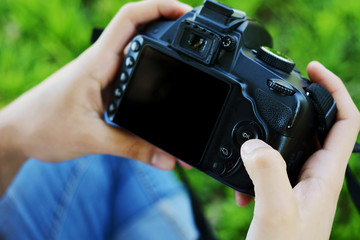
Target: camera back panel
x,y
200,86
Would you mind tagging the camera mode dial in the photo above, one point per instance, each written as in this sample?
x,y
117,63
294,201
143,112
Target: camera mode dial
x,y
275,59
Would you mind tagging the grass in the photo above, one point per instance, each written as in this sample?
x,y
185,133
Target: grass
x,y
38,37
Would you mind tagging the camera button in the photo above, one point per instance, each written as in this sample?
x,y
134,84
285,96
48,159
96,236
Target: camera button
x,y
247,134
129,62
118,92
218,168
228,43
244,131
112,108
124,77
135,46
225,152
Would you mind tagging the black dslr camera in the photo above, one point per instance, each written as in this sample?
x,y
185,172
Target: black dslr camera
x,y
200,86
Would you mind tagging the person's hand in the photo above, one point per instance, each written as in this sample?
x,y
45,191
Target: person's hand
x,y
307,210
62,118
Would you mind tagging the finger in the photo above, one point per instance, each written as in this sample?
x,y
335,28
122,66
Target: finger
x,y
184,164
125,23
242,199
267,170
115,141
321,75
105,54
347,125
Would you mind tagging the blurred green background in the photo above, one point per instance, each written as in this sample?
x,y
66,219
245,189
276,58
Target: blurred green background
x,y
37,37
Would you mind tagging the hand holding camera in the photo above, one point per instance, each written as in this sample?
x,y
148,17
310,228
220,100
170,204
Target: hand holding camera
x,y
62,118
200,86
221,85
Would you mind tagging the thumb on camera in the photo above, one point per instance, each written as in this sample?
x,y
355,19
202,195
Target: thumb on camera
x,y
267,170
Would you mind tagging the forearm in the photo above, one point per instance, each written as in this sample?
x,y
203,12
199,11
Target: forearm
x,y
11,156
61,118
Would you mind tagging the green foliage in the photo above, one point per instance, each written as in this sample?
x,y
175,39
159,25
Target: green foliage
x,y
38,37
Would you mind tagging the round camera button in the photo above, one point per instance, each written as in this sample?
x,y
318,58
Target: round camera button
x,y
228,43
124,77
244,131
135,46
118,92
129,62
112,108
247,134
225,152
218,168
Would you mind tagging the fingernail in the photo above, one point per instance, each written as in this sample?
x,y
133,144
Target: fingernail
x,y
162,160
249,146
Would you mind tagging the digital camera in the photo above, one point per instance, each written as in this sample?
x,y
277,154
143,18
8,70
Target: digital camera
x,y
200,86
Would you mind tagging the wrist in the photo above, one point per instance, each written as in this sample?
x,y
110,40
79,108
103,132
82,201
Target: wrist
x,y
11,153
10,147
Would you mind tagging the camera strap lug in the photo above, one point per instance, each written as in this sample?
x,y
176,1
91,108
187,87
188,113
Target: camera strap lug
x,y
325,108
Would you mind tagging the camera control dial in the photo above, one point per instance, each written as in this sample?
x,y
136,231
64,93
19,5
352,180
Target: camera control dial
x,y
275,59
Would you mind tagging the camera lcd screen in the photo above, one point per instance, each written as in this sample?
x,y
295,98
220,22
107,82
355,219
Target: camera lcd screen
x,y
172,105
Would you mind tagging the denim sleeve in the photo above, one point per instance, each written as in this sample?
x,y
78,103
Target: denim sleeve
x,y
95,197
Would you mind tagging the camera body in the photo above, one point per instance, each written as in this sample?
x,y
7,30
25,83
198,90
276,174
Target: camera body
x,y
200,86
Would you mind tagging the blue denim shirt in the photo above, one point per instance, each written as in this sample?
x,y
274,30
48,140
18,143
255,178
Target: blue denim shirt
x,y
95,197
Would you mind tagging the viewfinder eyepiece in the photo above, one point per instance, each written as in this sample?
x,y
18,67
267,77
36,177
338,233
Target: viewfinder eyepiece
x,y
194,42
197,42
